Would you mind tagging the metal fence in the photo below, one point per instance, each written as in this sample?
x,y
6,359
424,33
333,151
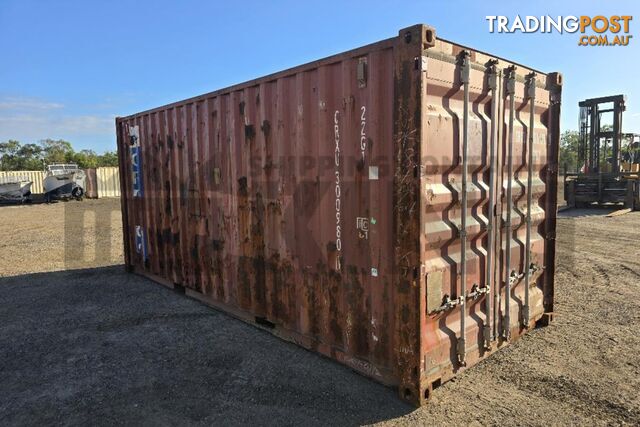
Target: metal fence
x,y
107,180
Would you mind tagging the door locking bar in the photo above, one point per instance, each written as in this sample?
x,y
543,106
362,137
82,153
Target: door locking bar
x,y
448,303
465,69
510,91
492,80
514,277
477,292
531,94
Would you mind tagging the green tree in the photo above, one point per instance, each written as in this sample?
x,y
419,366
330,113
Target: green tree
x,y
569,141
15,156
30,157
85,159
9,155
57,151
630,148
109,158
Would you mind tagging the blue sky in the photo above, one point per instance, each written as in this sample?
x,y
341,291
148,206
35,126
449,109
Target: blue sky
x,y
70,67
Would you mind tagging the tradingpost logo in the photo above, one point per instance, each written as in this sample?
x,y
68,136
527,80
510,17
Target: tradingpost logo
x,y
597,30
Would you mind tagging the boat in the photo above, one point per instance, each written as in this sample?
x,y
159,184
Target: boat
x,y
63,181
15,189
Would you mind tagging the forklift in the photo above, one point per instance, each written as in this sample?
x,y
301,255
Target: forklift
x,y
609,171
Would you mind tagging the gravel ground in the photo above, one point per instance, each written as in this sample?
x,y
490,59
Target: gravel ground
x,y
99,346
561,201
60,236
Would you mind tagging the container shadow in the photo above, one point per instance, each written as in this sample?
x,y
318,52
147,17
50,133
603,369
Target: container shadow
x,y
101,346
587,212
36,199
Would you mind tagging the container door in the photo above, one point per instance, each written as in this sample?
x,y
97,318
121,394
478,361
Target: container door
x,y
524,159
461,158
484,175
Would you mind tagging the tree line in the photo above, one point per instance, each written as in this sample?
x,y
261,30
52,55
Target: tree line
x,y
15,156
570,142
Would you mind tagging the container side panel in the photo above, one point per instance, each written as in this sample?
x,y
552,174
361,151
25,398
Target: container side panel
x,y
274,201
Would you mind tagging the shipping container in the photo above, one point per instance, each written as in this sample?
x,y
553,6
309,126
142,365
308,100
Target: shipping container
x,y
392,207
90,183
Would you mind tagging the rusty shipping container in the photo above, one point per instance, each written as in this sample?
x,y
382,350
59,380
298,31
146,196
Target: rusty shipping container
x,y
392,207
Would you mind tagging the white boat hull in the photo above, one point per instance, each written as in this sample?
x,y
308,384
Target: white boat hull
x,y
64,185
55,182
18,191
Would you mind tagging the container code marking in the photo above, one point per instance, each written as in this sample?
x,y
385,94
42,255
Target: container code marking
x,y
136,161
141,242
363,133
362,224
338,189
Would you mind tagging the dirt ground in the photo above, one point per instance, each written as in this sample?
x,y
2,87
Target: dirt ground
x,y
99,346
561,201
66,235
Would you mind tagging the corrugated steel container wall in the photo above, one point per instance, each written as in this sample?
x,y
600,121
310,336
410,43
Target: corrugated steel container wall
x,y
441,182
37,177
108,182
324,203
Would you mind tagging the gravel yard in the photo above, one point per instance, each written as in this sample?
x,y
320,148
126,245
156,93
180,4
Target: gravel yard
x,y
60,236
94,345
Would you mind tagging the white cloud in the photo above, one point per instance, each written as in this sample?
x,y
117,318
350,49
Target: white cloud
x,y
24,103
28,127
32,119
